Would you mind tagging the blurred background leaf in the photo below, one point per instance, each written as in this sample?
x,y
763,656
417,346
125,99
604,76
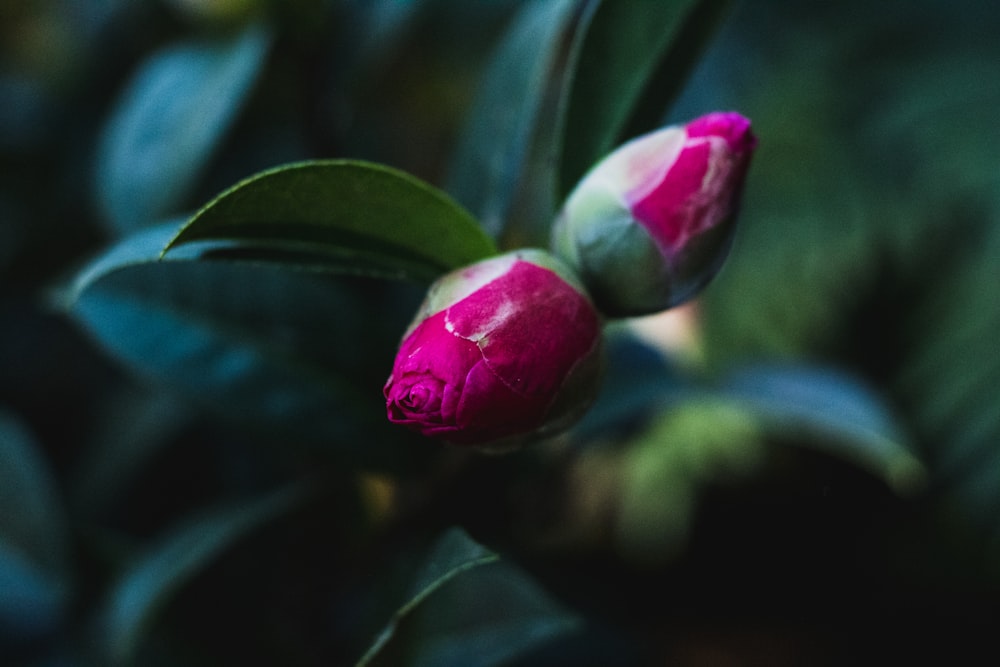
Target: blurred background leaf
x,y
541,118
148,583
34,566
625,52
832,411
492,151
169,120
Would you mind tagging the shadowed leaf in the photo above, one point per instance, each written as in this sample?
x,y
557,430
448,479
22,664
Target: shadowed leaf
x,y
147,586
445,620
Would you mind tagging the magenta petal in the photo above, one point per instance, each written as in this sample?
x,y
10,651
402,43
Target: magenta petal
x,y
431,348
728,125
429,374
421,397
667,210
530,347
489,409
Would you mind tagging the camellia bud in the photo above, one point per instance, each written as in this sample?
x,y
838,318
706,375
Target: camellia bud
x,y
505,347
652,222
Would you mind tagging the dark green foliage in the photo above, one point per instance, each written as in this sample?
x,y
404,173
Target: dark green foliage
x,y
214,231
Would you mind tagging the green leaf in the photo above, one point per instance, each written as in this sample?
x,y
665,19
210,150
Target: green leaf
x,y
31,516
950,381
33,600
33,535
629,60
347,212
120,449
491,156
454,554
147,586
276,351
445,620
141,248
716,435
837,413
168,122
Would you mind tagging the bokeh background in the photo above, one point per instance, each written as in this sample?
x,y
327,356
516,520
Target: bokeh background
x,y
800,467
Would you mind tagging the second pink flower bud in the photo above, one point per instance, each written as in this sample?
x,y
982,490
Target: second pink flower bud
x,y
652,222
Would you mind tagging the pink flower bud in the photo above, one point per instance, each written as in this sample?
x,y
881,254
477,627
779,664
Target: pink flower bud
x,y
505,347
652,222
